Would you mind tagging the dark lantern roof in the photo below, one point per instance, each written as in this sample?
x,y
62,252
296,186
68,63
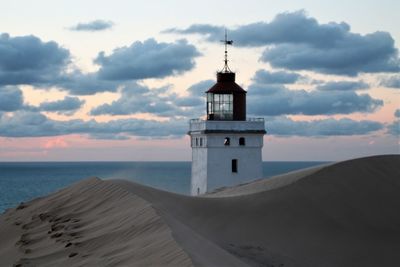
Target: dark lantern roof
x,y
226,84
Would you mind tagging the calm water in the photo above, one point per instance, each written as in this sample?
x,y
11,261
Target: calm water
x,y
22,181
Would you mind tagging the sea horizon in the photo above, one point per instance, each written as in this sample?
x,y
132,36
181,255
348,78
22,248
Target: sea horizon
x,y
21,181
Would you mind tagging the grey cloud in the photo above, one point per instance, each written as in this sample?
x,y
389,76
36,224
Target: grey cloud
x,y
394,128
392,82
96,25
278,77
189,101
28,60
214,32
199,89
67,106
293,27
343,86
370,53
196,96
33,124
162,102
108,136
78,83
299,42
148,59
266,100
283,126
137,99
11,98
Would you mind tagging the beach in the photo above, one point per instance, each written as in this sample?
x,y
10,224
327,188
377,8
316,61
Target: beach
x,y
340,214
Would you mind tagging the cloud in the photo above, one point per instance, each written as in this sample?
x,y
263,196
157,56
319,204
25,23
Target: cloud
x,y
278,77
11,98
78,83
283,126
195,98
55,143
67,106
343,86
34,124
394,128
392,82
214,33
28,60
148,59
291,27
267,100
137,98
372,53
92,26
298,42
199,89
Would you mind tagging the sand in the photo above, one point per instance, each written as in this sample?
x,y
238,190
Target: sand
x,y
91,223
343,214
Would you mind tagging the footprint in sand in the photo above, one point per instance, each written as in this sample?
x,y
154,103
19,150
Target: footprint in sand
x,y
57,227
73,254
21,206
23,240
56,235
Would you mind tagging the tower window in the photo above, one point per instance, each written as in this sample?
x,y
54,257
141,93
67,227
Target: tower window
x,y
234,165
201,141
197,141
242,141
227,141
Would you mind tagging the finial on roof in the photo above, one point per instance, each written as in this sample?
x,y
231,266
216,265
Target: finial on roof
x,y
226,42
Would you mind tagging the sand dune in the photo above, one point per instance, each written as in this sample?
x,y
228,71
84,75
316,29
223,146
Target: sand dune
x,y
344,214
91,223
262,185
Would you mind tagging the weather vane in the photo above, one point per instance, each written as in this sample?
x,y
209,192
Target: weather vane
x,y
226,42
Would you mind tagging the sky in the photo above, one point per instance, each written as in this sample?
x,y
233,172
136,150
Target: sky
x,y
119,80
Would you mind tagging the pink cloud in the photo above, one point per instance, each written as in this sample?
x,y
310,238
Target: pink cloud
x,y
58,142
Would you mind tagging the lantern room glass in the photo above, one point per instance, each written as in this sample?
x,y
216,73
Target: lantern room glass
x,y
220,106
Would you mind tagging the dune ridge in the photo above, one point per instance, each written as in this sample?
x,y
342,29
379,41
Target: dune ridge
x,y
262,185
342,214
90,223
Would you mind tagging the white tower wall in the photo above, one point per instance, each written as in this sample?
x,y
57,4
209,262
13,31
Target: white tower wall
x,y
212,158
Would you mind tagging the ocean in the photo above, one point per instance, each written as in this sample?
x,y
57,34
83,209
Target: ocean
x,y
23,181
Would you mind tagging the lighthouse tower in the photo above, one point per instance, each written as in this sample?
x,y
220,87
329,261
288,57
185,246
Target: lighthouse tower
x,y
226,146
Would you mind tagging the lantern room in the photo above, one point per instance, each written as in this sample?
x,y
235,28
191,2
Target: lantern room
x,y
226,100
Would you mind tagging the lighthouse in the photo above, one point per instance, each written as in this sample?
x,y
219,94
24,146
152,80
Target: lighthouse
x,y
226,145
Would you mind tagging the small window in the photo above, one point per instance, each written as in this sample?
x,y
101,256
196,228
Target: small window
x,y
242,141
201,141
197,141
234,165
227,141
